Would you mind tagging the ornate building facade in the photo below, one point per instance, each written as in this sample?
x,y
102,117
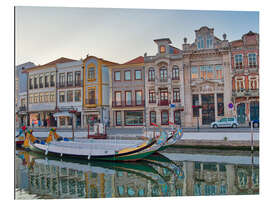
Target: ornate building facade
x,y
245,77
206,64
164,85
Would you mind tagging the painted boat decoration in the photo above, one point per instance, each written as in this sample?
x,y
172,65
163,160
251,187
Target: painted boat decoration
x,y
95,151
173,136
19,139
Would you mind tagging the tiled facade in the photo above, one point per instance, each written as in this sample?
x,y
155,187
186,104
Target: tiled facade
x,y
69,93
164,85
209,73
245,77
127,96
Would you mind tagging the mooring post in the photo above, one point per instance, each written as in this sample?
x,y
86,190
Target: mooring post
x,y
251,134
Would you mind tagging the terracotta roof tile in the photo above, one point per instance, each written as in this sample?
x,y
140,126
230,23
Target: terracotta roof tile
x,y
139,59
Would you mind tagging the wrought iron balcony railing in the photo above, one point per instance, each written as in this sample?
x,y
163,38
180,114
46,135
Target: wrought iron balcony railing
x,y
67,84
132,103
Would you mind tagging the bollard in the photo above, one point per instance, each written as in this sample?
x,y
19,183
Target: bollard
x,y
251,134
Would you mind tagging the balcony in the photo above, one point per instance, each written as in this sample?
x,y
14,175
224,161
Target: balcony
x,y
91,101
164,103
77,83
132,103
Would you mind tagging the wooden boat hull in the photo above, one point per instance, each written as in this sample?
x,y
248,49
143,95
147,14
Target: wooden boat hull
x,y
133,155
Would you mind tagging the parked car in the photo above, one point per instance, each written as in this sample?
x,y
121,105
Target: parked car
x,y
225,122
256,123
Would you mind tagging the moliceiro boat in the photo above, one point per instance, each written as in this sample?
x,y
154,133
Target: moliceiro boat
x,y
174,135
96,151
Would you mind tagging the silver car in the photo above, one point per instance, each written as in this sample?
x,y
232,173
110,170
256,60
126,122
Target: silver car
x,y
225,122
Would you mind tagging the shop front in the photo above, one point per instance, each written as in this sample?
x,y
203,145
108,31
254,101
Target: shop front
x,y
133,118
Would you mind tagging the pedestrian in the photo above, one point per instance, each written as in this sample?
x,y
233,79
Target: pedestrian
x,y
45,123
39,123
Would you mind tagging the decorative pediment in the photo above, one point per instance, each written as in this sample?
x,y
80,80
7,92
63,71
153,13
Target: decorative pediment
x,y
207,86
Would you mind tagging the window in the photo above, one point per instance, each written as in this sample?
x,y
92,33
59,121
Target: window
x,y
195,101
118,100
238,61
162,49
200,43
164,96
207,72
117,76
69,78
77,95
92,96
152,96
253,83
30,99
118,120
47,80
252,61
164,118
52,96
175,73
220,104
133,118
35,82
91,73
153,118
128,75
194,73
46,97
138,74
151,74
128,98
138,97
240,84
209,42
177,117
52,80
163,74
69,96
77,78
62,79
40,81
219,72
36,98
30,83
62,96
176,95
41,97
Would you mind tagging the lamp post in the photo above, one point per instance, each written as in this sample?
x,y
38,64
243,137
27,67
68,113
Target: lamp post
x,y
197,107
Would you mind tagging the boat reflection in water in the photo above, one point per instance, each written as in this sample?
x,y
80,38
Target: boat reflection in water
x,y
48,177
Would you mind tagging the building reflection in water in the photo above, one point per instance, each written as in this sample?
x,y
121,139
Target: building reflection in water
x,y
52,178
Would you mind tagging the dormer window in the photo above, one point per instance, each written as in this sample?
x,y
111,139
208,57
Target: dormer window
x,y
200,43
209,42
162,49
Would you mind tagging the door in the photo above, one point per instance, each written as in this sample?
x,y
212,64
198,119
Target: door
x,y
208,109
254,110
241,113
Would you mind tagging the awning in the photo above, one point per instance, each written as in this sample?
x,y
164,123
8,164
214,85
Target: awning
x,y
64,114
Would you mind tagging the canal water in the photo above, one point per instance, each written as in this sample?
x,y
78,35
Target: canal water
x,y
175,172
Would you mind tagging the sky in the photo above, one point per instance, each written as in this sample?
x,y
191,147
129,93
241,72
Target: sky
x,y
43,34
